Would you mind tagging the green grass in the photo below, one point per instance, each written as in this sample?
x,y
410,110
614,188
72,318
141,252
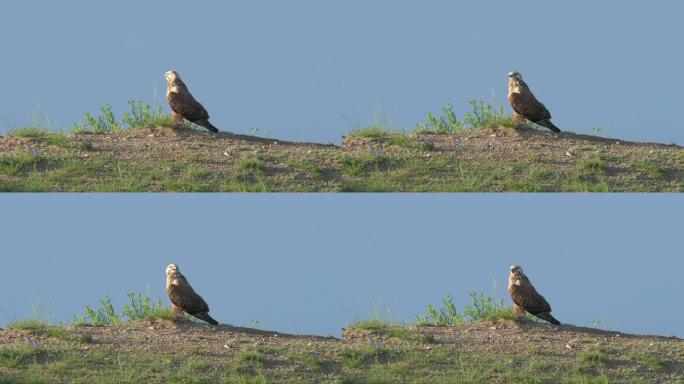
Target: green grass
x,y
481,115
596,357
593,166
139,115
481,308
650,168
652,361
255,355
17,356
139,307
377,158
253,358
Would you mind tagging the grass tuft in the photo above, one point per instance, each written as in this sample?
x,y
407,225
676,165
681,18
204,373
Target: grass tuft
x,y
140,307
481,308
139,115
593,357
482,115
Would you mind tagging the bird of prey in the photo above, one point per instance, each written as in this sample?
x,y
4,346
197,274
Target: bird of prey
x,y
525,105
184,298
526,298
183,105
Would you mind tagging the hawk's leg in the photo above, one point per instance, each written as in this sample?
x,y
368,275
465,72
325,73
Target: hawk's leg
x,y
518,311
519,122
177,120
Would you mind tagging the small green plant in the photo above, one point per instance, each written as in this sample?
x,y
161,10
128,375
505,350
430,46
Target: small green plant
x,y
255,356
447,315
144,115
140,115
355,358
311,361
12,357
253,164
106,315
373,323
448,122
485,115
594,357
482,307
594,165
37,128
482,115
650,167
139,307
655,362
30,324
105,123
31,130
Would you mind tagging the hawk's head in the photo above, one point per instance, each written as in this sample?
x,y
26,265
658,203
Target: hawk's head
x,y
171,76
516,270
515,75
172,268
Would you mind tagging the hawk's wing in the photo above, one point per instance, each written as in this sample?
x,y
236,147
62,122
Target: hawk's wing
x,y
525,296
525,104
186,298
185,105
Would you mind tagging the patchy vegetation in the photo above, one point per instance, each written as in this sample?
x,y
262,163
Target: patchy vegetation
x,y
481,308
480,152
141,344
139,307
489,351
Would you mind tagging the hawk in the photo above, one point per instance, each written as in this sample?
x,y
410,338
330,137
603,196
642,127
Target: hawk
x,y
183,105
526,298
184,298
525,105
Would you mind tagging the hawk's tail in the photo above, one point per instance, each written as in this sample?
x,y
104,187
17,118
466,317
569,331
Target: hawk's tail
x,y
548,124
206,317
206,124
547,316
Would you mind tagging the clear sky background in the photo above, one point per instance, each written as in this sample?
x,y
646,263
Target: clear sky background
x,y
313,70
313,263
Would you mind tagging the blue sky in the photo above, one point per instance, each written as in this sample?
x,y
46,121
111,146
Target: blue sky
x,y
314,263
312,70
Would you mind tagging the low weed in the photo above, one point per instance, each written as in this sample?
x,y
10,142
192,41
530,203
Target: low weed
x,y
140,115
254,356
355,358
140,307
30,324
481,115
482,307
311,361
655,362
651,168
484,115
593,165
448,122
594,357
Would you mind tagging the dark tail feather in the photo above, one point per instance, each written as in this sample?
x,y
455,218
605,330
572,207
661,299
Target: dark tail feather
x,y
207,318
548,124
547,316
206,124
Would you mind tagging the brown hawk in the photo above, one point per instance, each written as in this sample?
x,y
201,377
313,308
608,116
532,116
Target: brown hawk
x,y
526,298
183,105
525,105
184,298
